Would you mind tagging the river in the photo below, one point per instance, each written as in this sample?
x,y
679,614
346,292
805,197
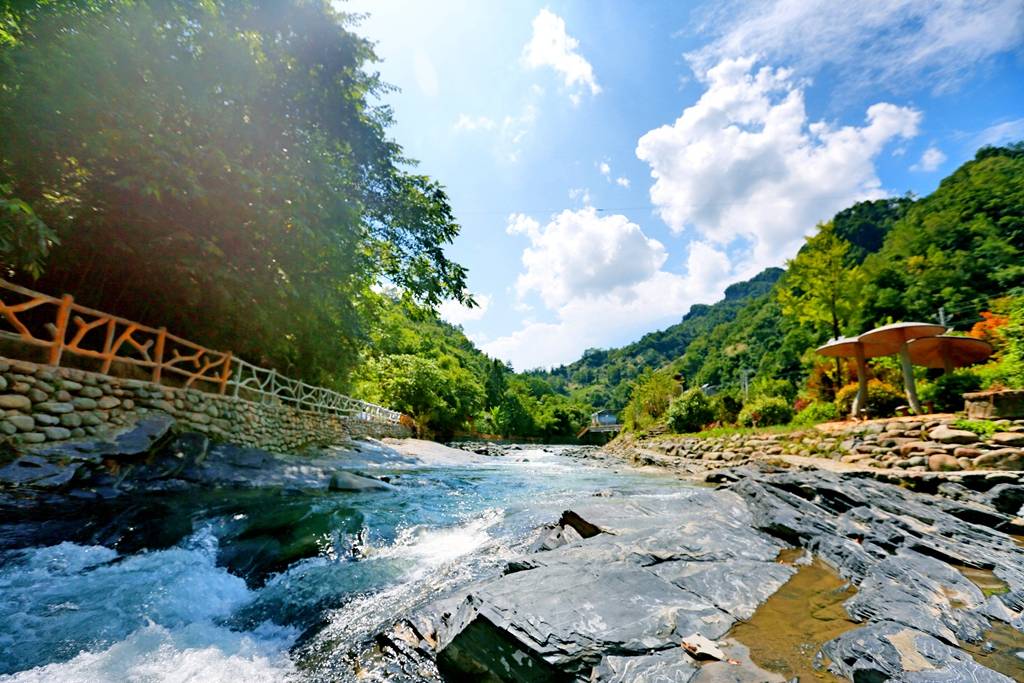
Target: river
x,y
276,584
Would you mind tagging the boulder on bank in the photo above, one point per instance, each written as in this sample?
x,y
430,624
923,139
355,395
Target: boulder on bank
x,y
891,651
566,617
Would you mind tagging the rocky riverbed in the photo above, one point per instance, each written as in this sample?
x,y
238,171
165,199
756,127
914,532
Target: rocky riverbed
x,y
154,552
625,589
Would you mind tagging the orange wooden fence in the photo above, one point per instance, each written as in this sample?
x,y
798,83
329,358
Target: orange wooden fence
x,y
62,326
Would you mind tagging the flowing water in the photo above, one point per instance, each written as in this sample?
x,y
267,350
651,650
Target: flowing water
x,y
272,584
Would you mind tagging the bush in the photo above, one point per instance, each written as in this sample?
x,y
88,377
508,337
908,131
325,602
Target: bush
x,y
690,412
816,412
946,393
983,428
727,408
651,394
883,399
765,411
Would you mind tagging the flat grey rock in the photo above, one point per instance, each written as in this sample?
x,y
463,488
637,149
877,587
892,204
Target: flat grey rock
x,y
669,666
889,651
735,586
568,617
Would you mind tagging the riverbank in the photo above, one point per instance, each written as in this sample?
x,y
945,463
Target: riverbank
x,y
910,450
405,560
875,582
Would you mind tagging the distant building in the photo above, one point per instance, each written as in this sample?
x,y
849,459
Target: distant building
x,y
604,417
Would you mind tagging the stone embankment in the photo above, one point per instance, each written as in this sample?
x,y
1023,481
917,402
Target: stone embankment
x,y
897,446
639,588
42,404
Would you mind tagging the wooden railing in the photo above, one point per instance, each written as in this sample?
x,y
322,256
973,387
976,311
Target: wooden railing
x,y
60,326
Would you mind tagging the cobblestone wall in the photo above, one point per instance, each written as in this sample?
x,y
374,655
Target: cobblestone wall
x,y
41,404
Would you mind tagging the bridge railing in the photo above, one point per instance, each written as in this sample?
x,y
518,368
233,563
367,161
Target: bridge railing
x,y
61,326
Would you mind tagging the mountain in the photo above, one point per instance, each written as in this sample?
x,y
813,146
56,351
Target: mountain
x,y
603,377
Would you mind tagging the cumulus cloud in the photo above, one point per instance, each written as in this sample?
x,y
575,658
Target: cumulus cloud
x,y
473,123
622,182
605,168
599,276
580,253
581,194
513,131
930,160
745,163
550,46
458,314
895,43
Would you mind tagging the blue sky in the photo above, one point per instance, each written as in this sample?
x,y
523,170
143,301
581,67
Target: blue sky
x,y
612,163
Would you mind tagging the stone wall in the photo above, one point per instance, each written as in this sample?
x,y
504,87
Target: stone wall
x,y
42,404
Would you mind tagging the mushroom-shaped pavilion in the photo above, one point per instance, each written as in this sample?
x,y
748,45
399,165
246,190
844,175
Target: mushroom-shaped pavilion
x,y
850,347
892,339
948,352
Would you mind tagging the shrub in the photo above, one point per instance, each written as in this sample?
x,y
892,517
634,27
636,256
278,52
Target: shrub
x,y
651,394
727,408
816,412
690,412
883,398
765,411
946,392
982,428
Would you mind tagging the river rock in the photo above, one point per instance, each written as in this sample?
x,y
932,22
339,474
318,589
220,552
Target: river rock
x,y
15,402
942,462
673,666
24,423
1008,438
55,407
945,434
1001,459
735,586
890,651
564,618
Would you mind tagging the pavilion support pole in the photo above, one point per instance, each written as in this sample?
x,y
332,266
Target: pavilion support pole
x,y
908,379
947,360
861,402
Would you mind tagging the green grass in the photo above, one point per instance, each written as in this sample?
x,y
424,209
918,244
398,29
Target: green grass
x,y
982,428
718,432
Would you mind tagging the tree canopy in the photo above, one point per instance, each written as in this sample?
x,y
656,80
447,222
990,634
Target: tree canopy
x,y
220,168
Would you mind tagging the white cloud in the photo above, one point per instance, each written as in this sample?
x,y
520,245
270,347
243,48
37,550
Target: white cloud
x,y
894,43
745,163
622,182
1001,133
513,131
473,123
458,314
580,253
930,160
551,46
599,275
605,169
580,193
426,74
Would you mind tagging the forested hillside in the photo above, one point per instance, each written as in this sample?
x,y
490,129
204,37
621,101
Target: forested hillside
x,y
954,255
604,377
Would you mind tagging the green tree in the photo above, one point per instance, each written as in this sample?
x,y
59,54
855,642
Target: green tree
x,y
221,168
820,288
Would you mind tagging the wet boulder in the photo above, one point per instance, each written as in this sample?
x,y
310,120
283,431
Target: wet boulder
x,y
562,619
671,665
889,651
735,586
